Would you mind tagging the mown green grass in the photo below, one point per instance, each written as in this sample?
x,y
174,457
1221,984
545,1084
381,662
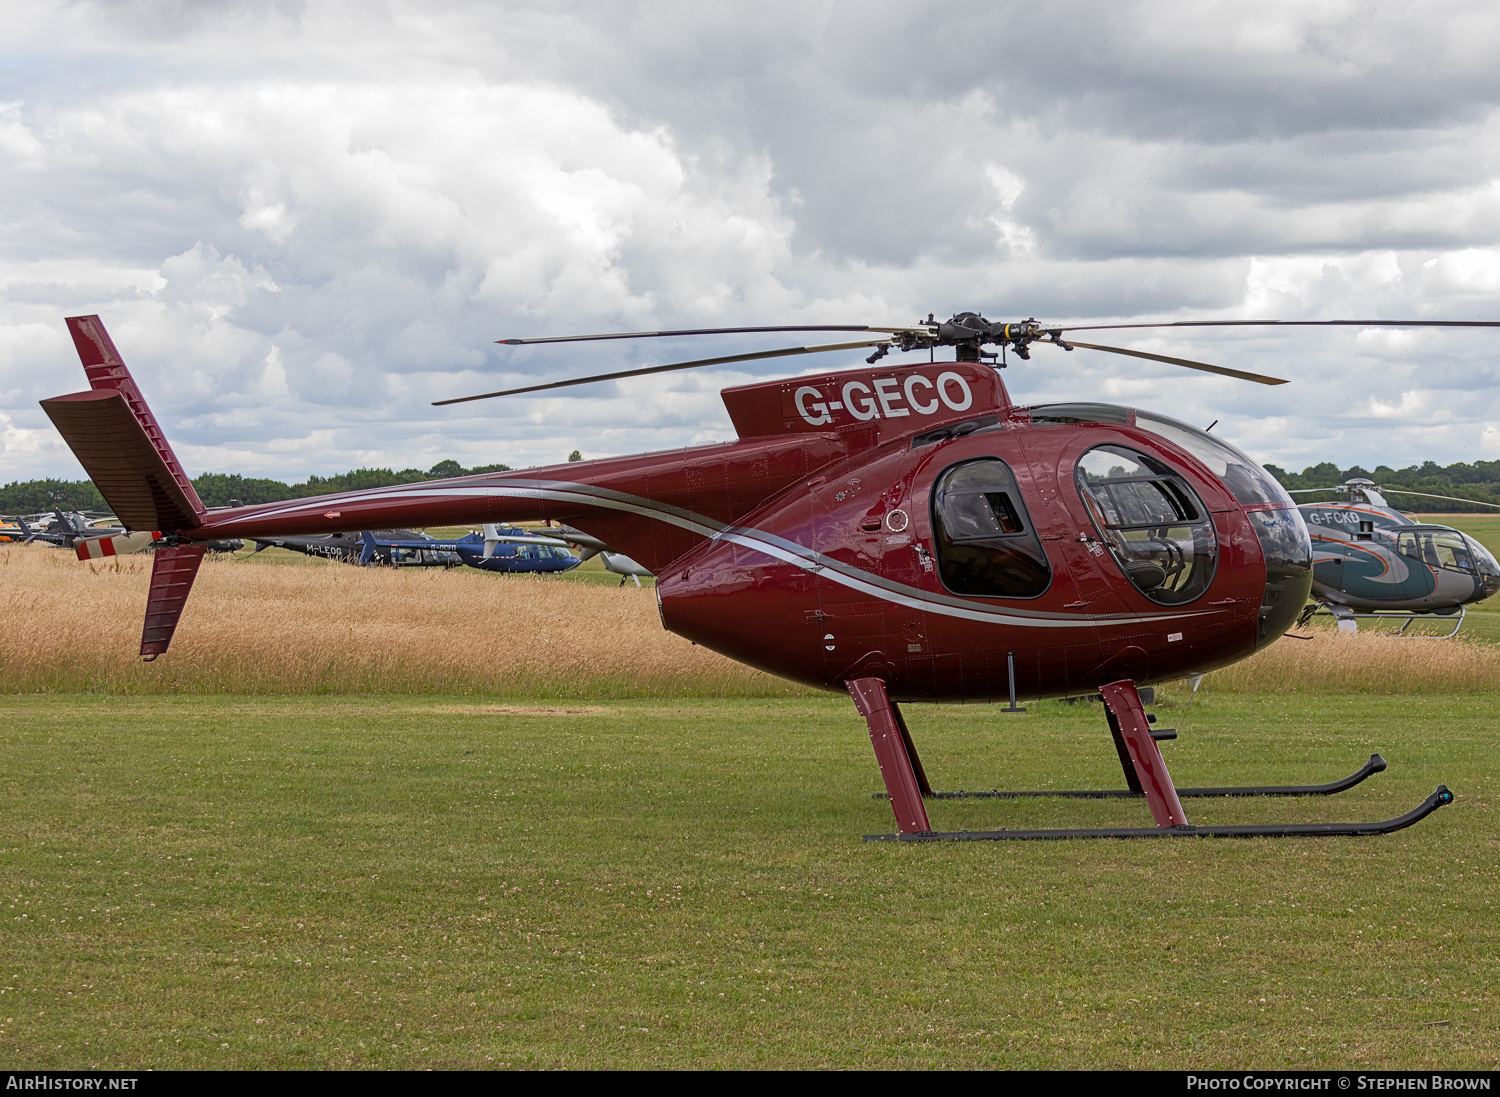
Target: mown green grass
x,y
405,882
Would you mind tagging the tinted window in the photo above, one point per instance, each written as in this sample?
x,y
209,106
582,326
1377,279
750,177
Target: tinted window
x,y
985,543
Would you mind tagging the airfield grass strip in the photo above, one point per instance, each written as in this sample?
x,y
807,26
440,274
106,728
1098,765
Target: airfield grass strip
x,y
406,882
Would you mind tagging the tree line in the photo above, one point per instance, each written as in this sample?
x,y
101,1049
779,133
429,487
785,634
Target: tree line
x,y
1478,480
219,489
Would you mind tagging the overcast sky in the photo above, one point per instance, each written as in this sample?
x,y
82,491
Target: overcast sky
x,y
302,222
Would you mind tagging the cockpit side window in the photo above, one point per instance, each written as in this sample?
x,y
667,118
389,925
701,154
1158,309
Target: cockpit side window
x,y
1156,527
986,545
1438,548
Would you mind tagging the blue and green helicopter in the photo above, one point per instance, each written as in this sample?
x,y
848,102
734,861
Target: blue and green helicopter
x,y
1371,562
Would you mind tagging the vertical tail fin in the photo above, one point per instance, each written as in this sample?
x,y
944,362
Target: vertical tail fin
x,y
118,441
120,445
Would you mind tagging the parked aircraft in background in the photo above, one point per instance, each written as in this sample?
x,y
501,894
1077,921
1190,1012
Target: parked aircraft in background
x,y
350,548
510,550
616,562
1372,562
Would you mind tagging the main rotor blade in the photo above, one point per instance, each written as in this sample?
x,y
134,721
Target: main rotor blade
x,y
1224,370
1402,491
526,539
919,330
727,359
1429,495
1292,324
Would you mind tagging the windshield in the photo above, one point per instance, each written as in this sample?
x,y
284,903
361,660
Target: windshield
x,y
1246,481
1441,547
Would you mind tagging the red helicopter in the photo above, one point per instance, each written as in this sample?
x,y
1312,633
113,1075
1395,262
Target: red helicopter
x,y
905,533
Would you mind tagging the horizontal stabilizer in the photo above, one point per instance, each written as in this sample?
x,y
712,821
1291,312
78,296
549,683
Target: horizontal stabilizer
x,y
123,461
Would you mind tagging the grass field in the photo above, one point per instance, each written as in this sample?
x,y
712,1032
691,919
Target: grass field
x,y
416,819
290,624
378,882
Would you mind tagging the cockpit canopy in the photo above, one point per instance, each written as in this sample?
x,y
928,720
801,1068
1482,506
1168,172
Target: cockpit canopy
x,y
1283,535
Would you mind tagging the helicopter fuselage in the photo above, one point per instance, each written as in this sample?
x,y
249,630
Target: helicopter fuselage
x,y
828,555
845,576
1370,557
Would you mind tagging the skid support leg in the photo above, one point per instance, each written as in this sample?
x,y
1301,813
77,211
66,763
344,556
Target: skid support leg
x,y
1132,782
889,736
911,752
1128,721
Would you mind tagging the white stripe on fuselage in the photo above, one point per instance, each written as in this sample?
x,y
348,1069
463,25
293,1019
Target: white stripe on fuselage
x,y
564,491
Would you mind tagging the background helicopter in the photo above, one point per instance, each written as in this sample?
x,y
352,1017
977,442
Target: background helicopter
x,y
1371,561
904,533
511,551
350,548
617,563
95,536
66,529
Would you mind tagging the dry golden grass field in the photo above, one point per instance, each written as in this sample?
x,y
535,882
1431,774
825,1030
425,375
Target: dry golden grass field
x,y
321,627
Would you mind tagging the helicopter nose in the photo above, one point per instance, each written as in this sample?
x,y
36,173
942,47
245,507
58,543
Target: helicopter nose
x,y
1288,551
1486,568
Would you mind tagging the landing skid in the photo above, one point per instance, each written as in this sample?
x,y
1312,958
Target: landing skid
x,y
1375,765
1145,773
1348,619
1307,830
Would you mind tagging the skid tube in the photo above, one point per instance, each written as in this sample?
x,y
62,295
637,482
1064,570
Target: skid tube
x,y
1144,769
1288,830
1350,618
1376,764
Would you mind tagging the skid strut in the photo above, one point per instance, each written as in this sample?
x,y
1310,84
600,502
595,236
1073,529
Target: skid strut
x,y
1310,830
1145,774
893,751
